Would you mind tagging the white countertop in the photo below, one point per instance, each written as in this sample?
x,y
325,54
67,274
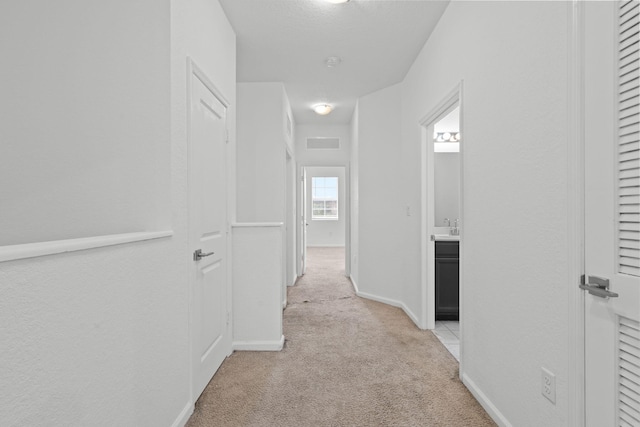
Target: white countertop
x,y
442,234
444,237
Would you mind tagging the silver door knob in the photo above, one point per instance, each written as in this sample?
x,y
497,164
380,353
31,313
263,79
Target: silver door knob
x,y
198,254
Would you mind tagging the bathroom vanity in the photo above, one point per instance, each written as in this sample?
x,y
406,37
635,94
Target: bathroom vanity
x,y
447,280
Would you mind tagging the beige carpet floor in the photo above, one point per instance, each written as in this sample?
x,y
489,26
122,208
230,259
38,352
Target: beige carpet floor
x,y
347,361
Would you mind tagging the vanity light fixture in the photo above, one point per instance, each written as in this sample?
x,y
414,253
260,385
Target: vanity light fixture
x,y
322,109
446,142
446,136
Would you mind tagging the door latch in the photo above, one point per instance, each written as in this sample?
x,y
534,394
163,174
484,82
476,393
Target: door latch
x,y
597,286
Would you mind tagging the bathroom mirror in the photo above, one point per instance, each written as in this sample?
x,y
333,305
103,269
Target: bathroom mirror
x,y
447,169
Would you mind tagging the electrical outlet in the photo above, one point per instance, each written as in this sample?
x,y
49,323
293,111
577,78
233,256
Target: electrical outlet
x,y
549,385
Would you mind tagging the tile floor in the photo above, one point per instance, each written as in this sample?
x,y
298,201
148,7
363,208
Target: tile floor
x,y
448,332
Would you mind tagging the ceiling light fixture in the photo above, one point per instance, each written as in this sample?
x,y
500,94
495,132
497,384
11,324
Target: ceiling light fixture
x,y
322,109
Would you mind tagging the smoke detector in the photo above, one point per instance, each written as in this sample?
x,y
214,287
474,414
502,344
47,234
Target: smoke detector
x,y
332,61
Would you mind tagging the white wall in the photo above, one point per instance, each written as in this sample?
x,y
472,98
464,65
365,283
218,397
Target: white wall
x,y
327,233
261,152
514,242
100,337
446,187
323,157
381,213
260,163
67,170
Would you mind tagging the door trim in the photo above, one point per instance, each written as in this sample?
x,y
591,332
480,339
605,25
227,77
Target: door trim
x,y
575,206
453,98
193,70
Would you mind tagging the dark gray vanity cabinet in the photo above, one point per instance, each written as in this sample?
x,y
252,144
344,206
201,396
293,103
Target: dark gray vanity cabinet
x,y
447,280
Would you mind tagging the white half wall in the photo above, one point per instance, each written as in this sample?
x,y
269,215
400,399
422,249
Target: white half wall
x,y
329,233
257,286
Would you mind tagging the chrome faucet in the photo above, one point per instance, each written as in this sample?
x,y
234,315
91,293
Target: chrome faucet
x,y
455,231
448,222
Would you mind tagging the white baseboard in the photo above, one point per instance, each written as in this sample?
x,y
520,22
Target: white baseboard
x,y
259,345
355,285
390,302
412,316
184,416
484,401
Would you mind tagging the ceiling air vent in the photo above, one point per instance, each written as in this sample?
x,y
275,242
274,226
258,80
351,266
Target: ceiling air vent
x,y
322,143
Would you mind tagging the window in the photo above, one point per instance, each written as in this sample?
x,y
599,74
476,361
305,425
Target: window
x,y
324,197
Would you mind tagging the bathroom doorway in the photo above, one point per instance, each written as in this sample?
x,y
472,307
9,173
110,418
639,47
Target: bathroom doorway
x,y
442,221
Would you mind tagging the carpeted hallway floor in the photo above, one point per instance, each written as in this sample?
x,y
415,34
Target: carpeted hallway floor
x,y
347,361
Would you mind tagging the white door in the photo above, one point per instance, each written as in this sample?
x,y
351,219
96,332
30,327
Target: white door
x,y
612,215
210,336
304,219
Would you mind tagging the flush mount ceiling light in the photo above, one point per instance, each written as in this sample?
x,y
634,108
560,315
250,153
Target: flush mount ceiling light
x,y
322,109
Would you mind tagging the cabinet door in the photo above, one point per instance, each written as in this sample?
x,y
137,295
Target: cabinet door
x,y
447,288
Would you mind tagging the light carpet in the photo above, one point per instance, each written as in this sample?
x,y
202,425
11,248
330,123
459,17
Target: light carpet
x,y
347,361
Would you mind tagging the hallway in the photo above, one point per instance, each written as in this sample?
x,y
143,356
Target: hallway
x,y
347,361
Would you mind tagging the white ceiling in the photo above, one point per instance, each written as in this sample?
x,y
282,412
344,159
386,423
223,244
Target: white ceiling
x,y
288,41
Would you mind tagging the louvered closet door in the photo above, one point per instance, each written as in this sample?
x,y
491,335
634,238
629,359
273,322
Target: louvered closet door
x,y
612,213
629,141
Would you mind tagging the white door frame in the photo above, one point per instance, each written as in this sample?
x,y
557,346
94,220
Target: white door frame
x,y
193,70
347,211
575,204
291,223
427,156
301,222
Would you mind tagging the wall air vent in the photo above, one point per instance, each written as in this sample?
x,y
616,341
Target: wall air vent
x,y
323,143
